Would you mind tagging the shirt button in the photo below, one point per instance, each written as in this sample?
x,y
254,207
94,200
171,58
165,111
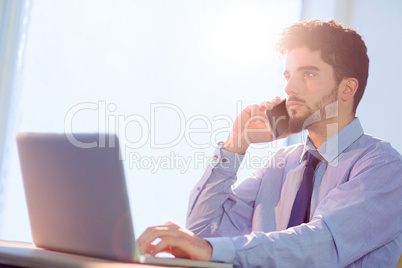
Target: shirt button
x,y
215,157
224,160
198,188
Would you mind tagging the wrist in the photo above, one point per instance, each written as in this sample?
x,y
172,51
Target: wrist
x,y
236,145
208,250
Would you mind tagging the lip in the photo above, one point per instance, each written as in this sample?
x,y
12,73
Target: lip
x,y
294,105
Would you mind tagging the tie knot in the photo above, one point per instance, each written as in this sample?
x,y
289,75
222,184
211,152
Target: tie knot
x,y
312,161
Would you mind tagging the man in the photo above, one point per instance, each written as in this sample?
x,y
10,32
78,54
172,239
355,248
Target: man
x,y
353,215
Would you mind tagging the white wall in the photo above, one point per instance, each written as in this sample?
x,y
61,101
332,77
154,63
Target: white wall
x,y
380,24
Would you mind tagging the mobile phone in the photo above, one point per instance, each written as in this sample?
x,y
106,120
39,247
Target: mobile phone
x,y
278,119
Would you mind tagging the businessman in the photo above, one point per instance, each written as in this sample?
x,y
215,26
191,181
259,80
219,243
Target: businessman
x,y
334,201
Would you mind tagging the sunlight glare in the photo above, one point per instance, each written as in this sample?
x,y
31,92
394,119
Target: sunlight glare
x,y
240,36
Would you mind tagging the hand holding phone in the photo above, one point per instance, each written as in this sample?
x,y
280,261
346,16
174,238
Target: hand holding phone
x,y
278,119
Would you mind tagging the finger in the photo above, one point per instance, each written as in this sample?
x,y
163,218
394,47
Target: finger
x,y
172,247
277,99
163,246
143,242
179,244
151,231
150,234
263,105
254,111
273,103
149,249
171,224
259,117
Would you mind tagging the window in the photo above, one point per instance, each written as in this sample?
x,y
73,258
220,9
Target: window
x,y
169,77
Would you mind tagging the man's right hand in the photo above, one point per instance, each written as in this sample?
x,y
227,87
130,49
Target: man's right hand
x,y
251,126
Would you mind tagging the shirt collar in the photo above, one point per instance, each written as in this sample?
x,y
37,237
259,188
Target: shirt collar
x,y
335,144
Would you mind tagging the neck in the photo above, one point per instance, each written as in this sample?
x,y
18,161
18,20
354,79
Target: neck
x,y
319,132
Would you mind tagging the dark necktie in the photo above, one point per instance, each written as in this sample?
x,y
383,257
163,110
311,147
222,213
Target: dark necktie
x,y
301,206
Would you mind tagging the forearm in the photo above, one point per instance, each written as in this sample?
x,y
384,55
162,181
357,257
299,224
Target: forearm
x,y
213,197
308,245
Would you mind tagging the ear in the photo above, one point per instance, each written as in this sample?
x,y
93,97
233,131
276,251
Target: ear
x,y
349,88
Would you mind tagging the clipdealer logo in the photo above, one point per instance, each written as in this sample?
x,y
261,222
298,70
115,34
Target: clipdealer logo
x,y
108,121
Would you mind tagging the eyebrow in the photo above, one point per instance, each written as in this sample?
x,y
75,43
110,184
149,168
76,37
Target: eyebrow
x,y
304,68
308,68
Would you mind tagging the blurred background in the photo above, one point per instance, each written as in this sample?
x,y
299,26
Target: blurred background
x,y
169,78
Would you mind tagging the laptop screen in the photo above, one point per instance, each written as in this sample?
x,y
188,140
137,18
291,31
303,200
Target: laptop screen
x,y
76,194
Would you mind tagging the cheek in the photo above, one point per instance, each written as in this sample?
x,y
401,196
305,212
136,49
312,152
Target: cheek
x,y
318,90
314,100
316,85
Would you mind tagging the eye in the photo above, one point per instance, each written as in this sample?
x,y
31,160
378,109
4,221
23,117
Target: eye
x,y
308,75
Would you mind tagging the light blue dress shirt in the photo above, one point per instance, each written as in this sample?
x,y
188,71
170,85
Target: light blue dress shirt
x,y
356,206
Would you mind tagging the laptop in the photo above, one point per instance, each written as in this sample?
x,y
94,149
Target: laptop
x,y
77,198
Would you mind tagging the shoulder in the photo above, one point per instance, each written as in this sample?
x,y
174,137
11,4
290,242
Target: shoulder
x,y
371,155
368,146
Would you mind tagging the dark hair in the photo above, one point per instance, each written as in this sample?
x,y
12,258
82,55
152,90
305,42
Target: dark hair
x,y
342,48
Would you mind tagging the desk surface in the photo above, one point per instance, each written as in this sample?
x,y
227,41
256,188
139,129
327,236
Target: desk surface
x,y
27,255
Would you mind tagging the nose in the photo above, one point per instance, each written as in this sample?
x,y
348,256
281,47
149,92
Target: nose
x,y
291,87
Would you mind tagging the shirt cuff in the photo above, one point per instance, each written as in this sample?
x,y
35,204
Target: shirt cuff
x,y
228,161
223,249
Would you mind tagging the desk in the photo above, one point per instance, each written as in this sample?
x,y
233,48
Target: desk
x,y
23,254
